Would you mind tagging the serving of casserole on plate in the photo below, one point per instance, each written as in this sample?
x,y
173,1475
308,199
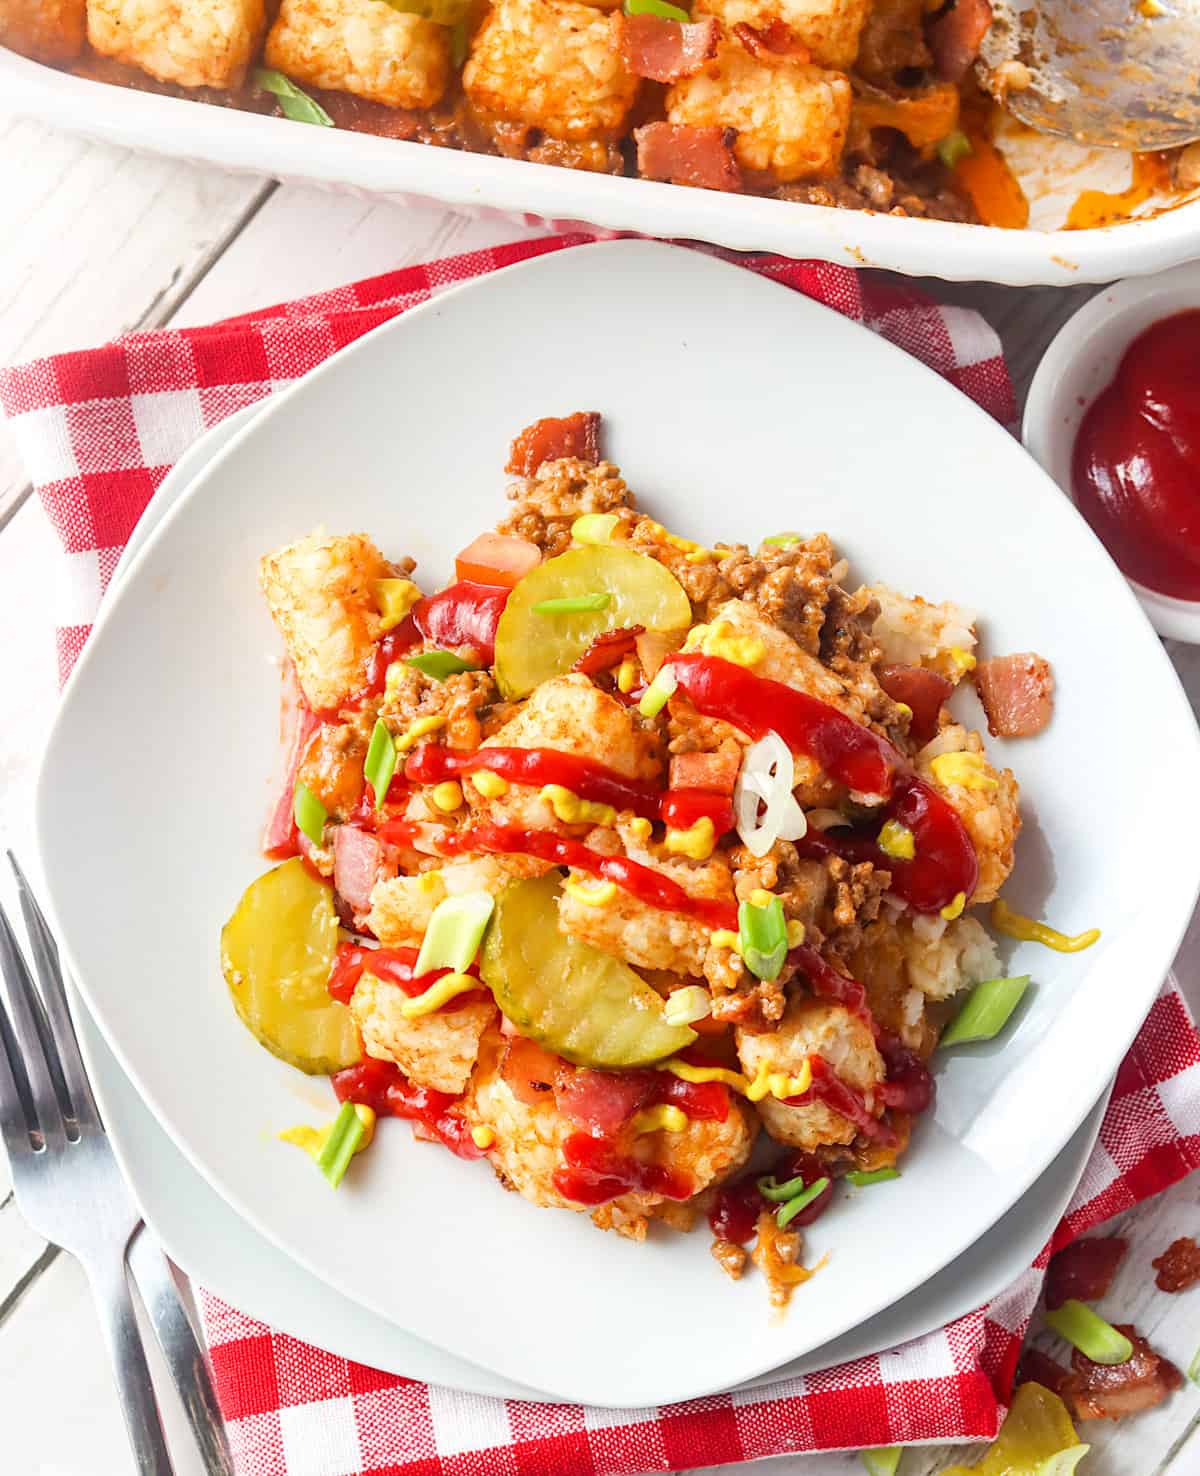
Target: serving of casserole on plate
x,y
180,668
811,126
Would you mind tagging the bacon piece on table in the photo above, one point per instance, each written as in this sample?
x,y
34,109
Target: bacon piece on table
x,y
1179,1265
769,43
1083,1270
1037,1367
552,439
1109,1391
955,37
665,50
1017,693
685,155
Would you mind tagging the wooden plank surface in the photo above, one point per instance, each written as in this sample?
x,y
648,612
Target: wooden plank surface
x,y
95,241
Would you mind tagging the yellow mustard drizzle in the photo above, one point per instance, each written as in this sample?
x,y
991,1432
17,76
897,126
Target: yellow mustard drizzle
x,y
394,598
963,660
572,810
896,840
723,640
954,909
311,1140
766,1083
482,1137
490,785
697,841
446,988
665,1118
1016,925
640,828
447,796
593,896
627,674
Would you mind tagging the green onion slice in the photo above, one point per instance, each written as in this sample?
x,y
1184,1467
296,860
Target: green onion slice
x,y
594,527
862,1177
1088,1331
454,933
660,690
439,664
656,7
1194,1367
780,1193
380,763
953,147
986,1012
883,1460
781,540
763,933
786,1213
293,103
574,604
309,813
338,1149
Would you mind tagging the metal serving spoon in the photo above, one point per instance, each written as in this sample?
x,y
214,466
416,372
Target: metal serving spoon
x,y
1119,74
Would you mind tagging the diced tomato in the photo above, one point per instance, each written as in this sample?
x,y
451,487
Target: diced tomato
x,y
924,691
495,558
465,614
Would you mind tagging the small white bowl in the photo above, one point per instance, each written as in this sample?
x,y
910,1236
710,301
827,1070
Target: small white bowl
x,y
1080,362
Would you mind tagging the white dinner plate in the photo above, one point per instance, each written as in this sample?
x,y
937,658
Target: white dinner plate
x,y
221,1252
735,407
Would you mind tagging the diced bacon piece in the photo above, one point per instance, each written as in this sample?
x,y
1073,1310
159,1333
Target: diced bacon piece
x,y
496,558
530,1071
665,50
768,43
357,865
1179,1265
603,1101
1017,693
607,649
922,690
552,439
955,37
1037,1367
297,724
685,155
1109,1391
1083,1270
714,771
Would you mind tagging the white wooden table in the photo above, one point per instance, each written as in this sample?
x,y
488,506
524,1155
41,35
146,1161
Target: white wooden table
x,y
95,241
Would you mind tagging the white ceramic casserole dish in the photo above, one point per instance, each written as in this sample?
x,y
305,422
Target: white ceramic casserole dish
x,y
1053,173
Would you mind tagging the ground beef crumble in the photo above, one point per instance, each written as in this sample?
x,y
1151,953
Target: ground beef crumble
x,y
547,503
464,699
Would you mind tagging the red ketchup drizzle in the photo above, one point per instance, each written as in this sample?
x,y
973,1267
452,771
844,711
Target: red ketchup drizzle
x,y
593,1172
826,982
383,1087
1136,464
393,966
829,1088
909,1086
639,881
432,763
945,863
681,808
465,614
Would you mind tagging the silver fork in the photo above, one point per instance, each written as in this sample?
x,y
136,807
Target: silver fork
x,y
69,1187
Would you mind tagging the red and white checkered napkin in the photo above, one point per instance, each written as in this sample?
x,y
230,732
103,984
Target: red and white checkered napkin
x,y
99,430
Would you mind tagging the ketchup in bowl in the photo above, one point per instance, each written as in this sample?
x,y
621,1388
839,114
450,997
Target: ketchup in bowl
x,y
1136,465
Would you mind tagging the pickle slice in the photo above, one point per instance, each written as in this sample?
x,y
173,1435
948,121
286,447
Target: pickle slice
x,y
580,1003
532,646
277,953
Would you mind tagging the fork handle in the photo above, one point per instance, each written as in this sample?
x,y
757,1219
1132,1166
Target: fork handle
x,y
118,1322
